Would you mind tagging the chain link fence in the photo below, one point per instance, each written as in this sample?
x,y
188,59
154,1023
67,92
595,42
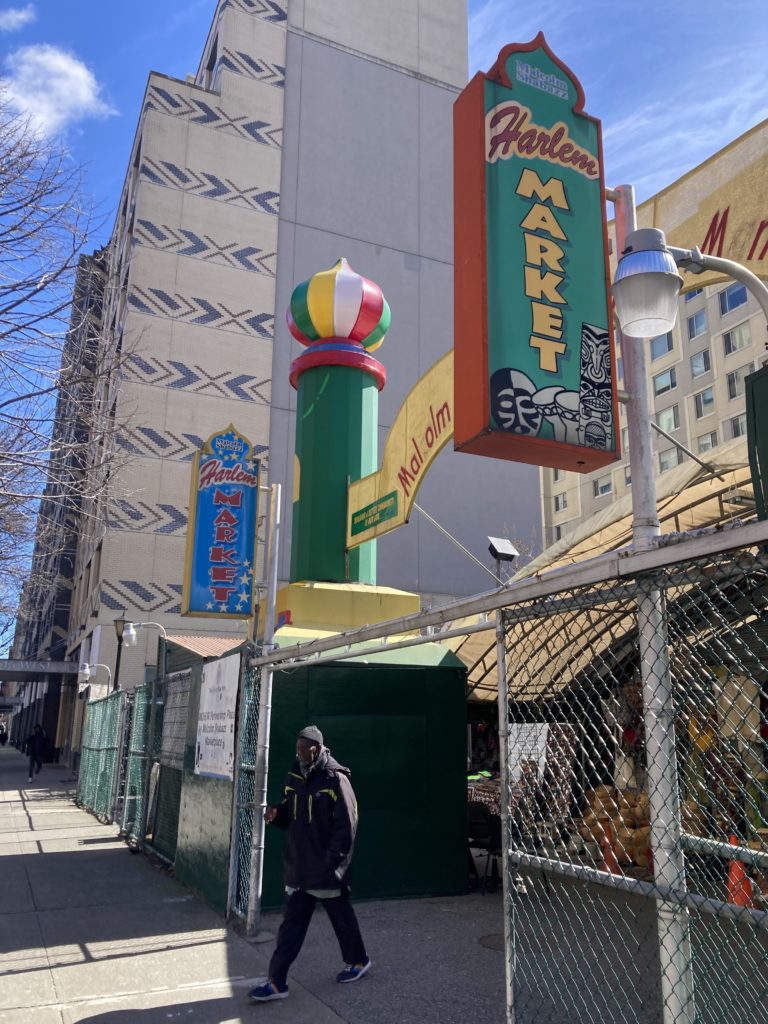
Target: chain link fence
x,y
100,760
245,783
171,730
637,798
135,770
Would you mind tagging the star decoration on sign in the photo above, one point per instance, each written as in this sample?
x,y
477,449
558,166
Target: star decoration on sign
x,y
244,579
222,607
209,606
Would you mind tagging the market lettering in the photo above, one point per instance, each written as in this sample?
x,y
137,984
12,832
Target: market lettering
x,y
762,226
235,499
715,236
543,287
439,422
511,132
215,472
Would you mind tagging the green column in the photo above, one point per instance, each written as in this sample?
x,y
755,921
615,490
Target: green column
x,y
336,441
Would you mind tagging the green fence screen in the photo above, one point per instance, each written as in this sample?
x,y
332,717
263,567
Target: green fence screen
x,y
99,763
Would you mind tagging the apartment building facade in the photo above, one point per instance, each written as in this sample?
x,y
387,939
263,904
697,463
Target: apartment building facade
x,y
696,387
304,135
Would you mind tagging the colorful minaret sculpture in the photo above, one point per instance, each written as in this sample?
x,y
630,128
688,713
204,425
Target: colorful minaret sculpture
x,y
341,318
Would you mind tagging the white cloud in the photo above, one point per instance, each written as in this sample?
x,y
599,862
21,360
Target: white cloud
x,y
14,18
52,87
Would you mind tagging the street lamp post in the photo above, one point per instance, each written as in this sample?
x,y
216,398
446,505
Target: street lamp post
x,y
645,290
658,705
120,625
503,550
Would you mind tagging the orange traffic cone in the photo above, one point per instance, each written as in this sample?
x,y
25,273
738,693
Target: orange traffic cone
x,y
609,862
739,883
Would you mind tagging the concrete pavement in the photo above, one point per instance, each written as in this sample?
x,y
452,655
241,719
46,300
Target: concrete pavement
x,y
91,933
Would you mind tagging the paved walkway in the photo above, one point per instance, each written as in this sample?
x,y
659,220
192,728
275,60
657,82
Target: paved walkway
x,y
90,932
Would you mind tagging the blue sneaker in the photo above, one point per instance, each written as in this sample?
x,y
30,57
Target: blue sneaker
x,y
267,992
352,972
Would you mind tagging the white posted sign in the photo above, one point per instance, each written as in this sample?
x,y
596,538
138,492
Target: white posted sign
x,y
215,752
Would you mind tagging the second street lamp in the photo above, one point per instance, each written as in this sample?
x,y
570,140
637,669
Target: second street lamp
x,y
120,625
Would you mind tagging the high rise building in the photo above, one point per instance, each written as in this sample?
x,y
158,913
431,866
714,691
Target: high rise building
x,y
310,130
696,372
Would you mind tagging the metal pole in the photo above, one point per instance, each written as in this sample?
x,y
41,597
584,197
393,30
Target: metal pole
x,y
673,923
116,677
262,742
159,676
509,907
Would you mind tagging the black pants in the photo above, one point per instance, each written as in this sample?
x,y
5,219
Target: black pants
x,y
35,764
293,931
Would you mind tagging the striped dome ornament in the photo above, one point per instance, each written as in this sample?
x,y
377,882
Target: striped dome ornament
x,y
340,317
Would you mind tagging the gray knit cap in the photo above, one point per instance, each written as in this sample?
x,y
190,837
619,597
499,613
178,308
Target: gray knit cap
x,y
311,733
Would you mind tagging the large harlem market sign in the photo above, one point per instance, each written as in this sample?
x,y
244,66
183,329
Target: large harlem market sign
x,y
535,377
219,570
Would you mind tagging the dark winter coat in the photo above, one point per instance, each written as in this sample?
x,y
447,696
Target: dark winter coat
x,y
35,744
319,813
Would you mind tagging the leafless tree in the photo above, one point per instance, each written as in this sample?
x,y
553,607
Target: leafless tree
x,y
56,372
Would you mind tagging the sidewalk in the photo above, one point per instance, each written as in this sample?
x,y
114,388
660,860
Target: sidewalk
x,y
90,932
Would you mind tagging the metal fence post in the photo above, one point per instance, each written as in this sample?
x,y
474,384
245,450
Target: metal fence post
x,y
265,713
503,709
658,713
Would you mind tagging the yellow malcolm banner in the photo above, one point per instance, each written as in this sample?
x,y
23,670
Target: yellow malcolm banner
x,y
424,423
721,206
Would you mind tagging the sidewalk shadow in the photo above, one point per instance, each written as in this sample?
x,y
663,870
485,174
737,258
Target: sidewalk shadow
x,y
205,1011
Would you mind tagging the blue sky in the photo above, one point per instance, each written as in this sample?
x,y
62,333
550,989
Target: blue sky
x,y
671,82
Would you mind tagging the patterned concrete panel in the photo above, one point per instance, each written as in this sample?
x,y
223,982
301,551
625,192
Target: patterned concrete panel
x,y
209,185
191,376
258,69
262,124
274,11
186,242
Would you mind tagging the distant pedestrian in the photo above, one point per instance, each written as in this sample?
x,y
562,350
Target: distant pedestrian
x,y
319,812
3,734
35,747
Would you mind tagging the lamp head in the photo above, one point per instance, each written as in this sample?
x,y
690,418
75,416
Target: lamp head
x,y
646,285
129,634
120,625
502,550
85,670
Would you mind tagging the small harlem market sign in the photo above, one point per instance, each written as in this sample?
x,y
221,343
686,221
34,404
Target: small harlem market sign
x,y
535,376
423,426
219,571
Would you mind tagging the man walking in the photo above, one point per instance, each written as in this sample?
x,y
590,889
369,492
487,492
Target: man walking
x,y
35,745
319,812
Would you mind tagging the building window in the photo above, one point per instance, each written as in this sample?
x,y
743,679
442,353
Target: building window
x,y
625,439
692,294
561,502
620,368
738,425
735,380
737,338
557,474
706,442
558,533
732,297
603,485
627,477
704,402
697,324
664,382
669,459
700,363
669,419
661,345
